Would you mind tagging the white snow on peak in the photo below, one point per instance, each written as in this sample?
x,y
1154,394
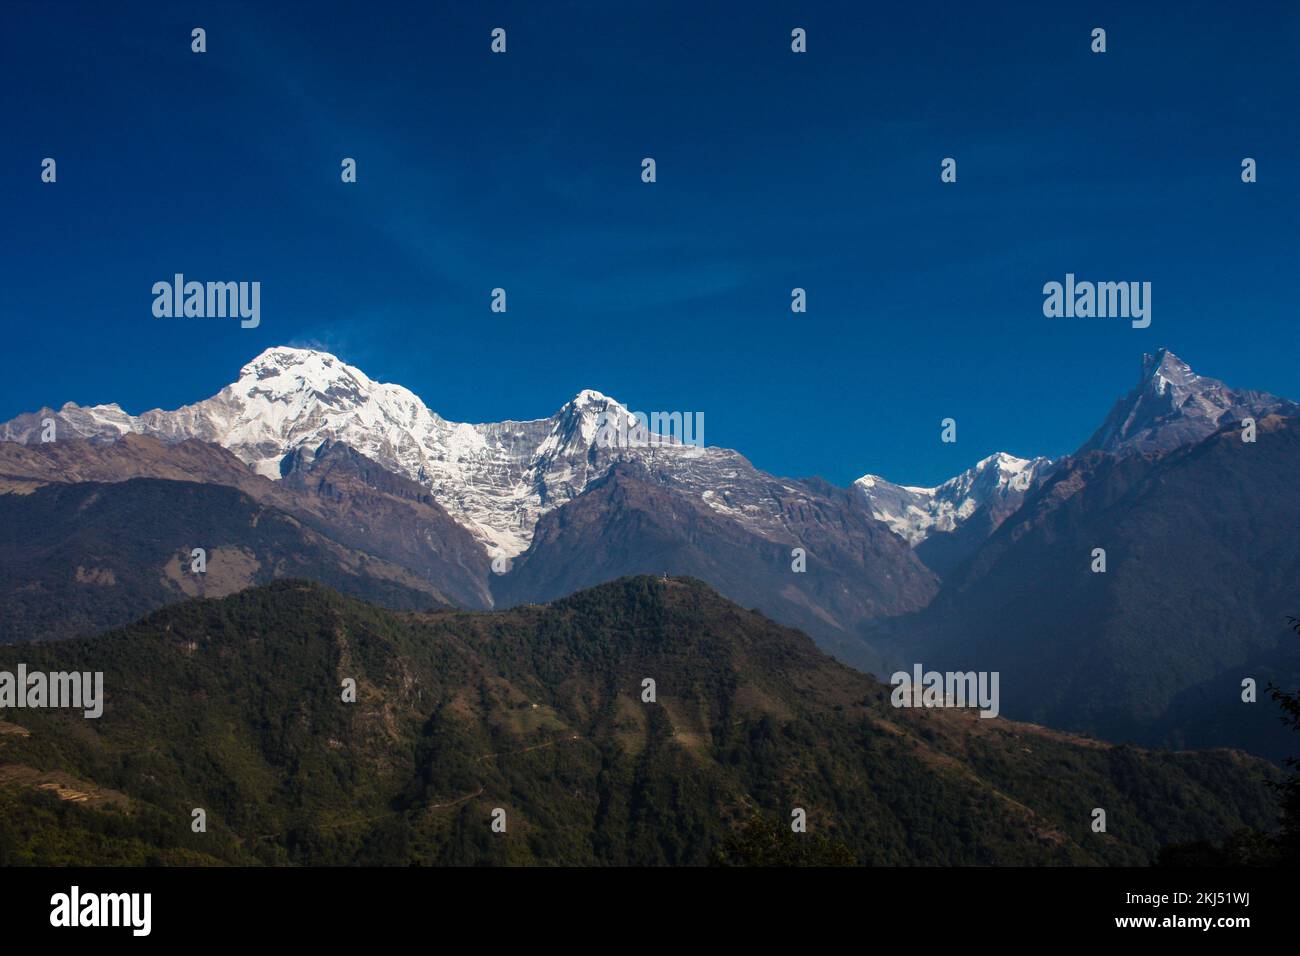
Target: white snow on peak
x,y
496,478
499,478
998,482
588,396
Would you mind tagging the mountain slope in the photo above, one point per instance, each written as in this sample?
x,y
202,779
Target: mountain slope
x,y
362,505
1202,557
1173,406
538,712
332,489
631,522
75,559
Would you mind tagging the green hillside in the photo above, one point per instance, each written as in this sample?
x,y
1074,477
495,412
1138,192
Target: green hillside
x,y
234,706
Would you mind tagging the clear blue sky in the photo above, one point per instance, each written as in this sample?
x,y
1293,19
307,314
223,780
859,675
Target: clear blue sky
x,y
774,171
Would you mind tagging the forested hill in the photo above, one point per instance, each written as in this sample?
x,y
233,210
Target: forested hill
x,y
234,706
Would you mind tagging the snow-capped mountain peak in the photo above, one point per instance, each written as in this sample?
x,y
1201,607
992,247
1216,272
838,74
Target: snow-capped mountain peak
x,y
1171,406
588,397
496,478
996,484
281,372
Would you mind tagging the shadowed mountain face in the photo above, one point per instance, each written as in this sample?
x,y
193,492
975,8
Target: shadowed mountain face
x,y
631,523
75,559
364,506
24,467
235,706
1202,559
333,490
641,517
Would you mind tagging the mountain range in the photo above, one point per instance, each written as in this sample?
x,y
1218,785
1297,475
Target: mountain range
x,y
502,482
375,494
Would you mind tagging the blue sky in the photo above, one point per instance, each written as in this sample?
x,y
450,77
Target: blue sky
x,y
775,170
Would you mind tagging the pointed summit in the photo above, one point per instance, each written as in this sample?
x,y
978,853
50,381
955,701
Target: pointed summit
x,y
1164,371
574,427
589,396
583,410
1166,364
1172,406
